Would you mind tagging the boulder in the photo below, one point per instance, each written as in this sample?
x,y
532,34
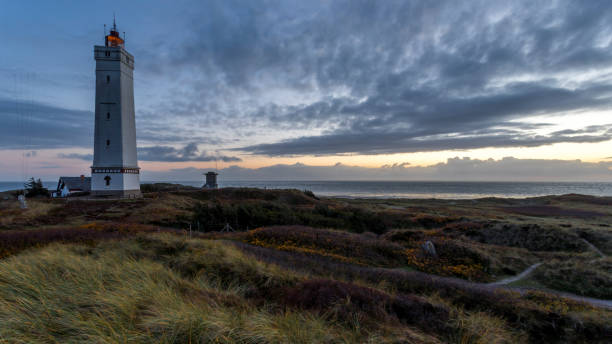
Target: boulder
x,y
429,249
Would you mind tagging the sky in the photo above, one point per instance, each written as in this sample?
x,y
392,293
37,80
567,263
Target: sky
x,y
401,90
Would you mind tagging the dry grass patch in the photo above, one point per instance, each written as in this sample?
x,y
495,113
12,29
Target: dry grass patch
x,y
164,209
142,291
11,214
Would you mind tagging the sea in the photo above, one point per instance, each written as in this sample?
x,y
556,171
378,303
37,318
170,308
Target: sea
x,y
405,189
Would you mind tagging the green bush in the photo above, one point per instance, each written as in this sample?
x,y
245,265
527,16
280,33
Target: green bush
x,y
34,188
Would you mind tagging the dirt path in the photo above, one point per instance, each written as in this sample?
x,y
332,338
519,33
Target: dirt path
x,y
590,300
601,254
517,277
303,262
601,303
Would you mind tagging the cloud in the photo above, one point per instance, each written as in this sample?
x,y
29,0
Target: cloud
x,y
33,125
454,169
394,76
335,77
189,152
401,142
396,165
86,157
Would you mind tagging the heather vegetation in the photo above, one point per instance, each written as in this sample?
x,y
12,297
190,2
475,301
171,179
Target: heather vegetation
x,y
593,278
298,268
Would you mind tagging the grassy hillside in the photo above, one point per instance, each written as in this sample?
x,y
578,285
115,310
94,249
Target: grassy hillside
x,y
299,269
170,288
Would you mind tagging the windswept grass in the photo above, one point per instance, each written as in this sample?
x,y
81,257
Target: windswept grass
x,y
11,213
99,271
12,242
127,291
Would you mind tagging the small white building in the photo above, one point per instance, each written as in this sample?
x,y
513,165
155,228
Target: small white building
x,y
67,186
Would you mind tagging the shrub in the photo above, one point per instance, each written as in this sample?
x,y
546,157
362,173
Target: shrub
x,y
165,187
310,194
345,301
592,278
531,237
343,246
253,214
34,188
542,324
454,258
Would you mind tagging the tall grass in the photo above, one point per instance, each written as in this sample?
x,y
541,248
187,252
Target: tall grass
x,y
12,242
146,290
10,212
545,318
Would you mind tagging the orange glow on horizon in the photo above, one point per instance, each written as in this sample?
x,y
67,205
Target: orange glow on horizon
x,y
587,152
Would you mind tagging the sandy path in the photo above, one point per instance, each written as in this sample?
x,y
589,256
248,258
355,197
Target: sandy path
x,y
517,277
590,300
601,254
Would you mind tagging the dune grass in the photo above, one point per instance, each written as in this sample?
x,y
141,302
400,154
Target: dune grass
x,y
108,271
10,212
161,287
145,289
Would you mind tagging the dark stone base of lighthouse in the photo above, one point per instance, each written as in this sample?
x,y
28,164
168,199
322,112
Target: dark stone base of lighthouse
x,y
117,193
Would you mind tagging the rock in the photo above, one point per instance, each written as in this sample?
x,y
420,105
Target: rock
x,y
429,249
22,201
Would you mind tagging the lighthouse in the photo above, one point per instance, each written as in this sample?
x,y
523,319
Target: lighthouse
x,y
115,171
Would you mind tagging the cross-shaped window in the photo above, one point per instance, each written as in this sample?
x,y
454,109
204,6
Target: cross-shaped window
x,y
107,179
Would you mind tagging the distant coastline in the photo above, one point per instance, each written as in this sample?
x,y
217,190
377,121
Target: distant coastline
x,y
395,189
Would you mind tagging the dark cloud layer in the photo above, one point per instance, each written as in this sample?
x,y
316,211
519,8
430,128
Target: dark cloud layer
x,y
188,153
32,125
400,142
278,78
398,76
86,157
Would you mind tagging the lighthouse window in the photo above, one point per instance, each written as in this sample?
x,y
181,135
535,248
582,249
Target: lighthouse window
x,y
107,179
107,116
107,143
107,79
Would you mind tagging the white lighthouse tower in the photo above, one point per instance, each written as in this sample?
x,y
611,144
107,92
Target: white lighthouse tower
x,y
115,171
